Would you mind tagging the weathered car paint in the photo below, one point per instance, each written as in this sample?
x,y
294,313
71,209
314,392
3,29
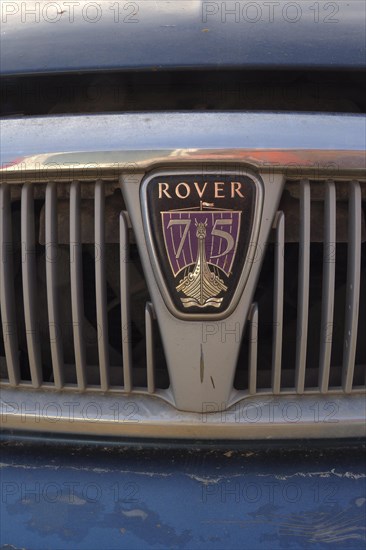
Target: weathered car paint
x,y
180,34
91,498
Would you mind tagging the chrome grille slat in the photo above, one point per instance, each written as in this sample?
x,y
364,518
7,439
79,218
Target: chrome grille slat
x,y
30,284
76,283
279,226
328,289
150,363
125,303
253,349
303,290
101,285
7,293
353,285
54,323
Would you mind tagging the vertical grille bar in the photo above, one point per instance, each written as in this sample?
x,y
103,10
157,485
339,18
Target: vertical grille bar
x,y
30,284
328,285
253,349
278,302
7,295
303,290
76,280
51,281
125,303
101,285
353,285
149,319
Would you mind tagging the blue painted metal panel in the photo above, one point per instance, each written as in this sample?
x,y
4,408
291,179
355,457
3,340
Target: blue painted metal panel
x,y
110,498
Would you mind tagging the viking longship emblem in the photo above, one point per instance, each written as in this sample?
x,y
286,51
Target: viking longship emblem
x,y
201,245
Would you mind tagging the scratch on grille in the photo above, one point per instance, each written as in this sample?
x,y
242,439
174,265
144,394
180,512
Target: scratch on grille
x,y
202,365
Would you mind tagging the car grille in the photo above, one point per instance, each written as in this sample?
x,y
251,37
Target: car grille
x,y
77,315
302,284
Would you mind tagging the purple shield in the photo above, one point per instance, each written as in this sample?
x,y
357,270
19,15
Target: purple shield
x,y
221,232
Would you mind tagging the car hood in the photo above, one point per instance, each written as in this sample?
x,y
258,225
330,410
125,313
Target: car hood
x,y
157,35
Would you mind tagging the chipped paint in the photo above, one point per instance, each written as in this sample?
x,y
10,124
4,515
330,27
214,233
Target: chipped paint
x,y
135,514
85,469
328,474
205,480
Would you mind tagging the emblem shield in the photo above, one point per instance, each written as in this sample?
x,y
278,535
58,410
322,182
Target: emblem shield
x,y
201,227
